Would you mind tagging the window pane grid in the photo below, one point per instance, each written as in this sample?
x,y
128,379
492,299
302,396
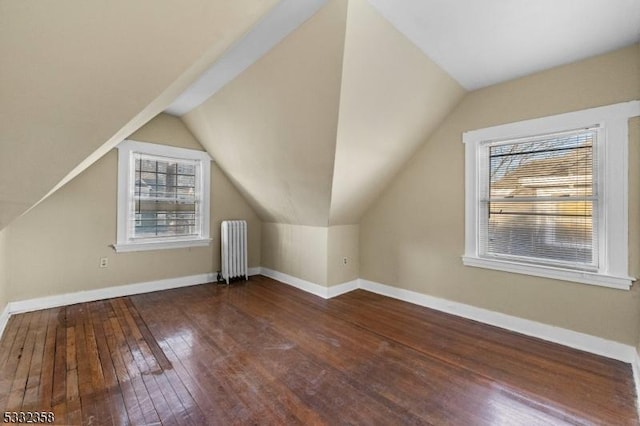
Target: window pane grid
x,y
540,200
165,198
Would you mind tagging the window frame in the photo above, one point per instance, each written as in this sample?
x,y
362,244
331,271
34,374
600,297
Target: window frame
x,y
483,180
126,180
613,186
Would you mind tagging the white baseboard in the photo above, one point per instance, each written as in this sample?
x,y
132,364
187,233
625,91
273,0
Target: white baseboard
x,y
563,336
343,288
308,286
4,319
635,365
107,293
593,344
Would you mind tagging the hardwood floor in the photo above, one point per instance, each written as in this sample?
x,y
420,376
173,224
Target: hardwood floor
x,y
262,352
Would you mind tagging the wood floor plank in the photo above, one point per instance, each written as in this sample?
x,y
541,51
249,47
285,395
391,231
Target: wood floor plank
x,y
155,361
73,401
201,385
103,360
99,393
142,394
12,344
18,387
130,399
12,329
190,410
568,385
253,346
147,366
261,352
459,350
31,401
90,411
380,355
228,398
59,386
45,391
230,402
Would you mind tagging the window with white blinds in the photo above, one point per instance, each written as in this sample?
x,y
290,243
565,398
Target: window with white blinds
x,y
163,197
539,199
549,196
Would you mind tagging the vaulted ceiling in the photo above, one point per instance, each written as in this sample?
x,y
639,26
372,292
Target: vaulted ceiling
x,y
392,97
78,76
273,128
480,43
316,127
313,131
309,106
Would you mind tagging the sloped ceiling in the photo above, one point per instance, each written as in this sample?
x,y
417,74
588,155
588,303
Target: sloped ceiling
x,y
311,139
279,22
392,98
78,76
273,128
480,43
313,130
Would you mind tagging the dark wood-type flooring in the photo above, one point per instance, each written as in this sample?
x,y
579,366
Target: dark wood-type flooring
x,y
262,352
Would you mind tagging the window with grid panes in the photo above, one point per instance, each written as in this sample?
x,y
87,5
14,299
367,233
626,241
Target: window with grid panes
x,y
163,197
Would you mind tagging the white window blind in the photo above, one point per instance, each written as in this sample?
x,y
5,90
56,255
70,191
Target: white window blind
x,y
539,199
548,196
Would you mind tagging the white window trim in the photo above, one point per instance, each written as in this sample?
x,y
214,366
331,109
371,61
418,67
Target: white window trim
x,y
126,149
613,170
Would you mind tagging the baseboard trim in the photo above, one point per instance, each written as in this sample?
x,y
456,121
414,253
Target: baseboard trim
x,y
343,288
563,336
54,301
635,365
107,293
574,339
308,286
4,319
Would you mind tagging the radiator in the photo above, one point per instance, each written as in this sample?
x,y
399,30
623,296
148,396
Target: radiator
x,y
233,238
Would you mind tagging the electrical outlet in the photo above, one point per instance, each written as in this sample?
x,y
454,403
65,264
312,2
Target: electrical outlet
x,y
104,262
344,260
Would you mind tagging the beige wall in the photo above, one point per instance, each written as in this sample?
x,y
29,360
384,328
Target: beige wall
x,y
273,128
312,253
343,242
392,97
413,236
3,271
296,250
56,247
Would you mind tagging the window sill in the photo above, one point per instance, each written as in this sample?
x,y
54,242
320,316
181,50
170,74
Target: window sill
x,y
584,277
161,245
